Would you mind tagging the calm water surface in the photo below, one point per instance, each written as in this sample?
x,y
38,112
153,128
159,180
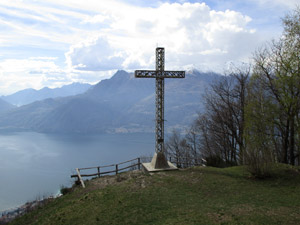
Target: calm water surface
x,y
33,165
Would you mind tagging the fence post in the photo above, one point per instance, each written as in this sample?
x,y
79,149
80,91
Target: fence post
x,y
79,176
116,169
98,168
139,163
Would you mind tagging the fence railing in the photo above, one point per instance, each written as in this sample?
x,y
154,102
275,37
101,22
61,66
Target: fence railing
x,y
134,164
185,162
102,170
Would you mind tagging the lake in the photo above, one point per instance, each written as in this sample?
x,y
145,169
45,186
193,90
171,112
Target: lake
x,y
33,165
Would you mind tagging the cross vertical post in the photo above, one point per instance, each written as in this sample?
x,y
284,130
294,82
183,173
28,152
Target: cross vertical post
x,y
159,100
159,161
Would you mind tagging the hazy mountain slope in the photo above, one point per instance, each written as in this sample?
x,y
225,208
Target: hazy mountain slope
x,y
183,99
79,115
4,106
28,116
30,95
120,104
122,90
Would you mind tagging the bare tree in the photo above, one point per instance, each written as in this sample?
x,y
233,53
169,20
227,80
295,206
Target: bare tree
x,y
223,122
192,137
172,147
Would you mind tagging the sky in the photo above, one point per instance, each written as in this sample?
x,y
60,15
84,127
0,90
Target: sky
x,y
56,42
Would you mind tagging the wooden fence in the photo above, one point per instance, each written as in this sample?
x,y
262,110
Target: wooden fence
x,y
115,169
134,164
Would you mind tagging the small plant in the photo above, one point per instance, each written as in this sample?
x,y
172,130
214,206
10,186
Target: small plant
x,y
259,162
65,190
215,161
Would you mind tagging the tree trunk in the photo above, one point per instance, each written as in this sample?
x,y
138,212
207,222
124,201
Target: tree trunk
x,y
286,142
292,142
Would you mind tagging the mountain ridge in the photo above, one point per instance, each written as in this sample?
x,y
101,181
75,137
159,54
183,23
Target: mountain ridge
x,y
119,104
31,95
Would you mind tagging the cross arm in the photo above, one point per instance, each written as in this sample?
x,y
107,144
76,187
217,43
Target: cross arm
x,y
159,74
145,73
173,74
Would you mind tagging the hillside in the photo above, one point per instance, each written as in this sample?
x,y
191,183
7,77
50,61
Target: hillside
x,y
119,104
191,196
5,106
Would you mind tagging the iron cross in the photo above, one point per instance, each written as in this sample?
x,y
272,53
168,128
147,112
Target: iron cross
x,y
159,74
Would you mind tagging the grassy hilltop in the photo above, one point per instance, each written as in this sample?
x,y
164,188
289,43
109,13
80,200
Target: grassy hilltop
x,y
191,196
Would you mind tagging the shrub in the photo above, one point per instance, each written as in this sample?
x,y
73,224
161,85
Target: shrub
x,y
259,161
215,161
65,190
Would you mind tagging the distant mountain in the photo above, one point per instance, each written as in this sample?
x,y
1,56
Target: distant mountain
x,y
30,95
119,104
5,106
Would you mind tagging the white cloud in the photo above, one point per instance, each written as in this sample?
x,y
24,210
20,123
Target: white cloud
x,y
20,74
95,55
96,19
38,72
191,32
98,37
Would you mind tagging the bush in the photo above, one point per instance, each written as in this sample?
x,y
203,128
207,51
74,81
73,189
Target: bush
x,y
65,190
215,161
259,162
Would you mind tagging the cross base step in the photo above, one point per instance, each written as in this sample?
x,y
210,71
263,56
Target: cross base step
x,y
159,163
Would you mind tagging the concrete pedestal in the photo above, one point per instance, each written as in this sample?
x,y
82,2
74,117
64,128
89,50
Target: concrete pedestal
x,y
159,163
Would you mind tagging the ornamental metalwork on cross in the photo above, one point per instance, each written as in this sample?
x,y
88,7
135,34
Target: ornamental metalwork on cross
x,y
159,74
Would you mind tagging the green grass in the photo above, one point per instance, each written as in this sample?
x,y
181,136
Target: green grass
x,y
192,196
